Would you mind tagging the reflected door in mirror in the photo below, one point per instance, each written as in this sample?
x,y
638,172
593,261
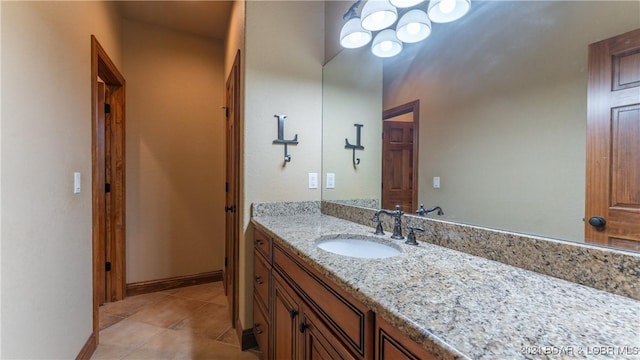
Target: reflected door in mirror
x,y
399,157
613,143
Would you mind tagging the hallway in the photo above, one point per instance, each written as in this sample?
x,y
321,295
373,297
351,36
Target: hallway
x,y
185,323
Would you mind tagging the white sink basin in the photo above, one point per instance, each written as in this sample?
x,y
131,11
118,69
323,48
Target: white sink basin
x,y
368,248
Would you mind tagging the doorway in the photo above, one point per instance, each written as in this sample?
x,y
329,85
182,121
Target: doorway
x,y
108,180
400,157
612,214
232,188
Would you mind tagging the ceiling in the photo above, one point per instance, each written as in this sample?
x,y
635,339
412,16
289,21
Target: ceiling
x,y
204,18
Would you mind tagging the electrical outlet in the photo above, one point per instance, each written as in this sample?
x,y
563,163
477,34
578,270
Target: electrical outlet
x,y
313,180
436,182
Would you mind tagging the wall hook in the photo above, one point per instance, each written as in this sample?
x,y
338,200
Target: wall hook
x,y
281,139
357,146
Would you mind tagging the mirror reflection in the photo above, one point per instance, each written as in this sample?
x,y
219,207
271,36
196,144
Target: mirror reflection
x,y
502,103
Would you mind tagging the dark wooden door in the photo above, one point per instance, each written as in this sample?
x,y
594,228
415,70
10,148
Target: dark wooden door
x,y
400,156
612,215
100,196
230,268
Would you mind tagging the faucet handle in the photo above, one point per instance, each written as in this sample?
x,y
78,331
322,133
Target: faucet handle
x,y
379,230
411,237
421,211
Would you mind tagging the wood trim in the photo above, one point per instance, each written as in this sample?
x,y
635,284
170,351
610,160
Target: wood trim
x,y
145,287
89,348
414,107
246,337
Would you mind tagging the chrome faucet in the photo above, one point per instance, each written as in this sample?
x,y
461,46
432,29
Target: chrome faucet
x,y
397,222
423,212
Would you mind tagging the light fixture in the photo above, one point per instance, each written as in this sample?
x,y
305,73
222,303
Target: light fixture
x,y
378,14
386,44
405,3
413,26
353,35
444,11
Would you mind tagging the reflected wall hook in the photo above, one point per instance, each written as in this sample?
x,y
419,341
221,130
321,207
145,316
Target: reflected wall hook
x,y
281,139
357,146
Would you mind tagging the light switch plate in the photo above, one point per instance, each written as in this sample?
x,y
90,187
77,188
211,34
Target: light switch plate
x,y
436,182
76,183
331,180
313,180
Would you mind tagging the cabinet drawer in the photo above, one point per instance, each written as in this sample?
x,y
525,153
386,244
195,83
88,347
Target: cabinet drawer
x,y
344,315
261,328
261,278
262,242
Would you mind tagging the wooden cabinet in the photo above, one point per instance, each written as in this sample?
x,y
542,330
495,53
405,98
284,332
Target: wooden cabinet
x,y
262,292
300,314
286,321
319,343
391,344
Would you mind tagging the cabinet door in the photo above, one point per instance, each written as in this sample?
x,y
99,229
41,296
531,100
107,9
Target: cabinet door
x,y
391,344
319,343
285,321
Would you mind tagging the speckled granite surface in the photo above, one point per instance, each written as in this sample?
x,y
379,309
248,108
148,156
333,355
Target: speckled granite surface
x,y
285,208
462,306
605,269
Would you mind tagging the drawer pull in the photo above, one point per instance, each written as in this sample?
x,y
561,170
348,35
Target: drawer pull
x,y
303,327
259,242
293,313
259,280
256,328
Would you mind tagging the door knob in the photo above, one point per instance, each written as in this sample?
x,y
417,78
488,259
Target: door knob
x,y
597,222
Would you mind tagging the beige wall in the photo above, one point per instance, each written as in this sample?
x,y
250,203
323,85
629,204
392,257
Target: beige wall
x,y
503,115
352,94
283,76
333,11
46,136
175,152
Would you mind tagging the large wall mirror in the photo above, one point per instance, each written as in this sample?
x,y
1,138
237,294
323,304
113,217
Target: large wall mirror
x,y
502,113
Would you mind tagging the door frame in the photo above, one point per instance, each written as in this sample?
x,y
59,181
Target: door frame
x,y
233,164
103,67
410,107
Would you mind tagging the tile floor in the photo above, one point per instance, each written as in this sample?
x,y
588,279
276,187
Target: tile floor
x,y
186,323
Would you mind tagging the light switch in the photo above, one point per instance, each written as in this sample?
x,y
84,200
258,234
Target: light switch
x,y
331,180
313,180
76,182
436,182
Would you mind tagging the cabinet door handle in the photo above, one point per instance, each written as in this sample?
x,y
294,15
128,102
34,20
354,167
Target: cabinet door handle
x,y
256,328
293,313
303,327
259,242
259,280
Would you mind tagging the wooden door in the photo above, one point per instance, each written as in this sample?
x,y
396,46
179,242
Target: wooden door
x,y
612,215
230,269
100,196
107,166
400,157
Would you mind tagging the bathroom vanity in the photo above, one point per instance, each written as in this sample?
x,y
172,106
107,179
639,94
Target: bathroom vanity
x,y
427,302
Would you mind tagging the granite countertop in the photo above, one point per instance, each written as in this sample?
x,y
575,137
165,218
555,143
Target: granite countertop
x,y
462,306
